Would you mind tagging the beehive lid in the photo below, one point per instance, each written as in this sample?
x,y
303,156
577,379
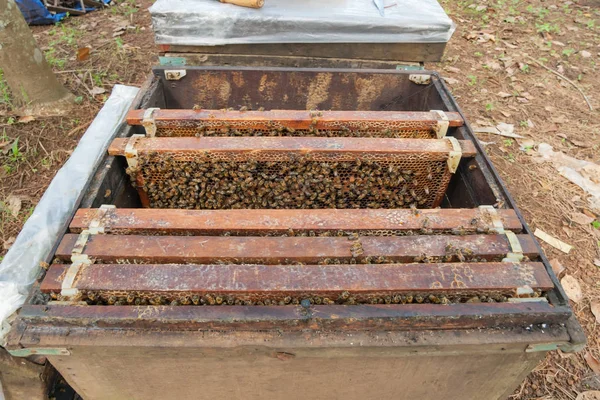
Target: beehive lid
x,y
211,23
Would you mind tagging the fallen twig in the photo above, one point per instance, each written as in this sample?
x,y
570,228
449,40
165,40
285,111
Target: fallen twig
x,y
565,78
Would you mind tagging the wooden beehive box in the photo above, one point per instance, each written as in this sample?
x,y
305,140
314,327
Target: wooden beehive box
x,y
298,201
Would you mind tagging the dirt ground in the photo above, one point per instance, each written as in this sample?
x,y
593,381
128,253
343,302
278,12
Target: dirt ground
x,y
493,65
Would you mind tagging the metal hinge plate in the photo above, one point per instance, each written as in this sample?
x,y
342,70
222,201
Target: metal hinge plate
x,y
39,351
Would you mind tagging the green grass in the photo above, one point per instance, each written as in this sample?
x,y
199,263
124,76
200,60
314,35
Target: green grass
x,y
4,91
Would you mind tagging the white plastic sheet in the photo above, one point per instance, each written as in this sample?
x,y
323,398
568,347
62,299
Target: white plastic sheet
x,y
211,23
21,265
584,174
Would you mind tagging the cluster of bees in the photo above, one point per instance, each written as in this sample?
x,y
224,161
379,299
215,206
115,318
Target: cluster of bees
x,y
312,131
295,184
345,298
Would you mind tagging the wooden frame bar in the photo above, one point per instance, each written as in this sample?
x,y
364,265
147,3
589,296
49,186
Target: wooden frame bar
x,y
381,317
273,148
288,250
256,282
295,119
290,222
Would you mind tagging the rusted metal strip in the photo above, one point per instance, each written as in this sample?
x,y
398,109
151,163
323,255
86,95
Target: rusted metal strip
x,y
280,148
382,317
288,250
258,282
292,222
299,119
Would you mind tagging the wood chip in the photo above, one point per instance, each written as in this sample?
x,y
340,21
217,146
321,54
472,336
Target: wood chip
x,y
592,362
589,395
552,241
452,69
581,219
451,81
557,267
83,53
595,307
572,288
8,242
25,119
13,204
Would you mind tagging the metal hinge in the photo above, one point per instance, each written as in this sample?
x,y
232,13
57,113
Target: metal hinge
x,y
567,347
454,155
420,79
442,125
39,351
174,74
131,154
148,121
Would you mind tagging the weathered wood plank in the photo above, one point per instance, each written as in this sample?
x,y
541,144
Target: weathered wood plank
x,y
381,317
296,119
271,148
290,222
257,282
251,60
398,52
287,250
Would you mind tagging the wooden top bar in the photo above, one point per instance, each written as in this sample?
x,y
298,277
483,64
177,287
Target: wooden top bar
x,y
286,250
379,317
297,119
289,222
428,149
259,281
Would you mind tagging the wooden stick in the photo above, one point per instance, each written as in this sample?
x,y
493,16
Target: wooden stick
x,y
566,79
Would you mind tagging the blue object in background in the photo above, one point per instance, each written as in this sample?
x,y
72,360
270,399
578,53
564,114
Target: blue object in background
x,y
36,13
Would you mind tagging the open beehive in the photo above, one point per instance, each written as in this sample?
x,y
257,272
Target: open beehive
x,y
295,207
276,301
258,210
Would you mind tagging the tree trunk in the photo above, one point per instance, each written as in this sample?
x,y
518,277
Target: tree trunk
x,y
34,86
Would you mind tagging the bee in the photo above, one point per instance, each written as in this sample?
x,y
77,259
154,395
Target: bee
x,y
210,300
356,249
185,300
345,295
111,300
419,299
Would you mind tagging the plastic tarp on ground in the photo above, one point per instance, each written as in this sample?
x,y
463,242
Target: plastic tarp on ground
x,y
36,13
21,265
211,23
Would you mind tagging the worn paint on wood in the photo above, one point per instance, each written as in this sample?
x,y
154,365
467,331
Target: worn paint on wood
x,y
296,119
287,250
266,281
289,222
277,148
380,317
